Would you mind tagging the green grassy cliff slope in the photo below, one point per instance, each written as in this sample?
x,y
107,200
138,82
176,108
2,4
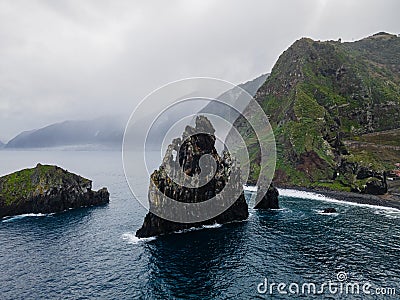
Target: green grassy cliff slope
x,y
321,98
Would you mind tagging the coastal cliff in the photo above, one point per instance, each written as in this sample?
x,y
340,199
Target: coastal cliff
x,y
335,111
195,143
46,189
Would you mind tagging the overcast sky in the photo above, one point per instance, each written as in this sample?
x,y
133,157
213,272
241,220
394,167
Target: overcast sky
x,y
81,59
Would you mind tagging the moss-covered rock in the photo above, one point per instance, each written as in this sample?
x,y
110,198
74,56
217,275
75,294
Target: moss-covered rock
x,y
46,189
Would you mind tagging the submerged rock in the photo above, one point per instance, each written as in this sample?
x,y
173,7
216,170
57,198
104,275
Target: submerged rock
x,y
186,155
329,210
46,189
270,200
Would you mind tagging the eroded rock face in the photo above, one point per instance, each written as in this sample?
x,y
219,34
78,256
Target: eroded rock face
x,y
368,181
269,200
46,189
186,154
376,186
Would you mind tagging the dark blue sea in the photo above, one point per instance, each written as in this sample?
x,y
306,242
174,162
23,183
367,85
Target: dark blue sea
x,y
91,253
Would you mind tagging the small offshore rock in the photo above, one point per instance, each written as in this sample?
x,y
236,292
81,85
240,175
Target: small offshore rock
x,y
270,200
329,210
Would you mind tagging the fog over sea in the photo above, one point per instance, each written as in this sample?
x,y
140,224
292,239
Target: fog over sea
x,y
92,253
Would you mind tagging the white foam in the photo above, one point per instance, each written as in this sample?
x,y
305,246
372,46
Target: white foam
x,y
250,188
280,209
322,213
320,197
189,230
13,218
130,238
303,195
216,225
389,214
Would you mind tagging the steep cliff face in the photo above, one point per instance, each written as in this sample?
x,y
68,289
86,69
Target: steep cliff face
x,y
196,142
46,189
321,96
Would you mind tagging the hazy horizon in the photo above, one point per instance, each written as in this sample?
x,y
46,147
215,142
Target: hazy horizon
x,y
82,60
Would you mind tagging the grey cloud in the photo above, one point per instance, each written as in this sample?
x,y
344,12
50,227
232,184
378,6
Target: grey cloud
x,y
64,60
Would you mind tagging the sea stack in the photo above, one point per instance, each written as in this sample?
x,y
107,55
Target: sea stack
x,y
269,200
196,143
46,189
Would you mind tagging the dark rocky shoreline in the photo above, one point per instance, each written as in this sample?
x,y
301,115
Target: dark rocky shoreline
x,y
387,200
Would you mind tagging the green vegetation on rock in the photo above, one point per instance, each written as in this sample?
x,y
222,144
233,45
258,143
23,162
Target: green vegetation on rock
x,y
322,98
46,189
38,181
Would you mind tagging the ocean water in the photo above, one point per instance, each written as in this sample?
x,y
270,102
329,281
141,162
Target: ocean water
x,y
91,253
